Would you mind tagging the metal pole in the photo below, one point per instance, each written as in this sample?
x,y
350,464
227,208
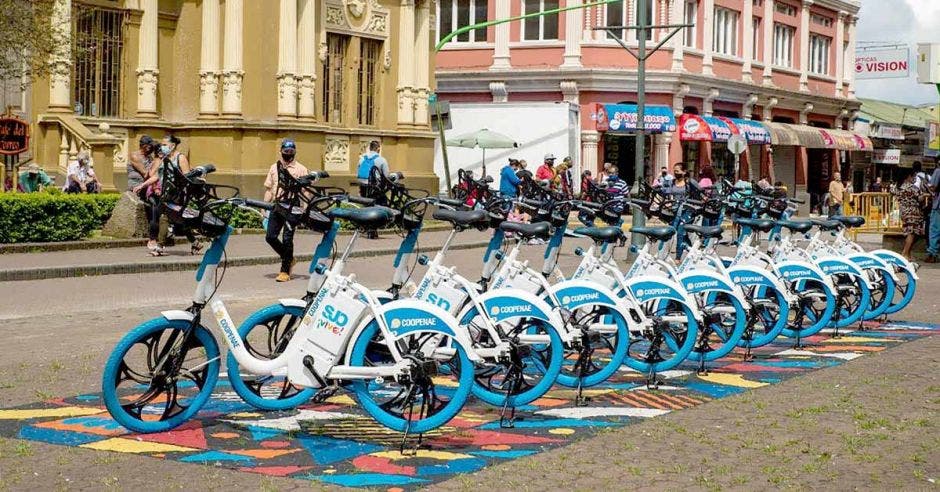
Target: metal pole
x,y
639,220
440,134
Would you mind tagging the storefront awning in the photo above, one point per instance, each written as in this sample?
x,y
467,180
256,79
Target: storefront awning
x,y
722,128
754,131
795,135
845,140
622,118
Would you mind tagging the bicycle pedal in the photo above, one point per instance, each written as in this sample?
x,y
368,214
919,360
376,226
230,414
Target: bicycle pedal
x,y
324,393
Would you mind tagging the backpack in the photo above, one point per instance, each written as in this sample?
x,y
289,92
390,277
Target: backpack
x,y
365,167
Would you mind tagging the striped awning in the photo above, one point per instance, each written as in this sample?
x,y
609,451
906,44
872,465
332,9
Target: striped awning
x,y
796,135
782,134
845,140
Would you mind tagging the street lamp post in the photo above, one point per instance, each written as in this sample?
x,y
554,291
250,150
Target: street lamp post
x,y
643,29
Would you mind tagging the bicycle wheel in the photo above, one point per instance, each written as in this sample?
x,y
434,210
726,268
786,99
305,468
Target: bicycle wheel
x,y
425,400
882,292
904,290
853,301
724,324
815,305
266,334
530,369
605,338
160,374
767,316
670,340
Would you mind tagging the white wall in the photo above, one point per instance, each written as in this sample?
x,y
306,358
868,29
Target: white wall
x,y
538,127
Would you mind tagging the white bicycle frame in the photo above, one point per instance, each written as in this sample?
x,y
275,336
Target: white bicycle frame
x,y
311,339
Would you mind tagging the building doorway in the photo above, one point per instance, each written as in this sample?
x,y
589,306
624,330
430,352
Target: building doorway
x,y
620,150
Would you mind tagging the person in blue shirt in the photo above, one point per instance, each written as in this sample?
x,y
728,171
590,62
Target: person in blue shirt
x,y
508,180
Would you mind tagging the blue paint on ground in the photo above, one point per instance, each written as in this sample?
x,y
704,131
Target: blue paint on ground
x,y
530,424
459,465
367,479
508,454
216,456
54,436
325,450
714,390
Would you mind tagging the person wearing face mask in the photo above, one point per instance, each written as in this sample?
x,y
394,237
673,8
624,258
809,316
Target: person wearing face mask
x,y
166,162
664,180
681,183
286,200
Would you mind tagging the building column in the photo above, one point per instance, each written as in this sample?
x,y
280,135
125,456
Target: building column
x,y
209,60
232,72
677,16
747,14
60,97
406,60
804,45
709,100
678,99
747,109
769,108
422,77
708,45
804,113
840,51
849,62
768,42
589,140
307,59
287,60
501,43
661,150
147,61
573,30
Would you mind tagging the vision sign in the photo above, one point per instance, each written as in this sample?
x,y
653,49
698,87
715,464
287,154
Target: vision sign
x,y
882,64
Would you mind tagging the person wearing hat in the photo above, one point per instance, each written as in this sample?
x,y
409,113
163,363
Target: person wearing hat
x,y
546,172
80,177
281,220
34,179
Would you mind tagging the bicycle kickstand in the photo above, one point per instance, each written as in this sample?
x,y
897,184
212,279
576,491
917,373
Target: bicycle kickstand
x,y
404,437
652,381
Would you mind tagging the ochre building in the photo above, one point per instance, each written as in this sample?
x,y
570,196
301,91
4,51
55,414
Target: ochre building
x,y
232,78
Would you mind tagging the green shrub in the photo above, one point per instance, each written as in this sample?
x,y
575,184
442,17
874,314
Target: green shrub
x,y
49,217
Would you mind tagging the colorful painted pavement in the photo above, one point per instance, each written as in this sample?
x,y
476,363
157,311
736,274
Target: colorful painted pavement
x,y
335,443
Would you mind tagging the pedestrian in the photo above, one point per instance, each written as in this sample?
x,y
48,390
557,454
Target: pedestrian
x,y
764,182
562,181
546,172
508,180
836,195
80,177
912,216
281,188
586,183
367,180
617,190
665,180
680,183
706,177
876,187
933,239
139,162
173,166
34,179
604,174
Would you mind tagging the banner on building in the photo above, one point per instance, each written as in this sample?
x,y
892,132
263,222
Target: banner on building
x,y
894,63
933,139
886,156
14,136
889,132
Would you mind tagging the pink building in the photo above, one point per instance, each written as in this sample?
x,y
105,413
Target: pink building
x,y
774,71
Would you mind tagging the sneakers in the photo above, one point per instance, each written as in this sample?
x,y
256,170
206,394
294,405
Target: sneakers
x,y
282,277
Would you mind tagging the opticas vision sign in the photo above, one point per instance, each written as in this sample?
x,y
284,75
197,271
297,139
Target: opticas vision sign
x,y
882,64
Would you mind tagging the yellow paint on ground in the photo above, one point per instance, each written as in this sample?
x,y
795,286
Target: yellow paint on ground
x,y
860,340
422,453
39,413
245,415
496,447
562,431
122,445
731,380
445,382
341,400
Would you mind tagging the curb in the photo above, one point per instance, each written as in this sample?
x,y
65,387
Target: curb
x,y
20,248
180,266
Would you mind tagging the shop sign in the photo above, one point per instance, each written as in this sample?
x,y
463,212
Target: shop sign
x,y
886,156
622,118
933,139
692,127
754,131
882,64
890,132
14,136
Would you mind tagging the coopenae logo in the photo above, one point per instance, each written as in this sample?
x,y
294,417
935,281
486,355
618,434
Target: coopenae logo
x,y
494,310
396,323
640,292
566,300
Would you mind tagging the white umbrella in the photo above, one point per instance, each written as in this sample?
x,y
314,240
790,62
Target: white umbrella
x,y
483,139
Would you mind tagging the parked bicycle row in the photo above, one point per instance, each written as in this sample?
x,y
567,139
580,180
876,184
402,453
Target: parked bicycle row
x,y
412,354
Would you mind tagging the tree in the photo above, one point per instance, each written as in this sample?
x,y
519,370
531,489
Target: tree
x,y
29,39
